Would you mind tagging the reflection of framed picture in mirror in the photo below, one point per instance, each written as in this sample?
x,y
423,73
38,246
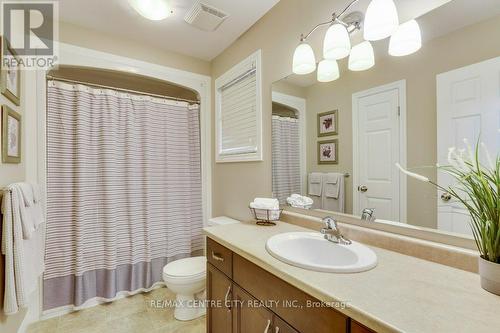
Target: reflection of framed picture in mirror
x,y
10,76
327,123
328,152
11,135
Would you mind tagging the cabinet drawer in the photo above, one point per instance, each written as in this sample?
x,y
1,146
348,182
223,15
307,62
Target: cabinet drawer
x,y
266,287
220,257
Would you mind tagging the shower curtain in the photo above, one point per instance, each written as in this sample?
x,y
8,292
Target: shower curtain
x,y
286,157
124,191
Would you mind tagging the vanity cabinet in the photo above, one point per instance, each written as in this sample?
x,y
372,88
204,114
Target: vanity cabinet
x,y
244,298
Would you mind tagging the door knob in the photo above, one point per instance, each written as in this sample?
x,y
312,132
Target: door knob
x,y
446,196
362,188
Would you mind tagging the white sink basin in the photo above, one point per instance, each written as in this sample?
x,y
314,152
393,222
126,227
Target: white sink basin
x,y
311,251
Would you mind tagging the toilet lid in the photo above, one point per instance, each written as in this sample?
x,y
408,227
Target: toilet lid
x,y
186,267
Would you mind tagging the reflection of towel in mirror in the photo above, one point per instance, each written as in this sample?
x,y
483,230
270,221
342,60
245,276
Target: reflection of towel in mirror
x,y
334,192
315,184
299,201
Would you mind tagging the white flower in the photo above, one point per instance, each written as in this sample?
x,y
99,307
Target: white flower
x,y
412,174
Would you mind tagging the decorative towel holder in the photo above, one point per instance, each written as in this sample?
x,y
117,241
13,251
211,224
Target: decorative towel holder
x,y
266,217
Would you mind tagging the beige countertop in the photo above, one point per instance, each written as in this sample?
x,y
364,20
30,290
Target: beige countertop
x,y
401,294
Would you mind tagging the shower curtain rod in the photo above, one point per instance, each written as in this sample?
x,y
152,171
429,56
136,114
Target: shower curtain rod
x,y
49,77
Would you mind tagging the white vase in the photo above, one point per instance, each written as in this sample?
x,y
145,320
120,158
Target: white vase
x,y
490,276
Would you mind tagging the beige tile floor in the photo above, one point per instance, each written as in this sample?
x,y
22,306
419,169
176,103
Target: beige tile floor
x,y
134,314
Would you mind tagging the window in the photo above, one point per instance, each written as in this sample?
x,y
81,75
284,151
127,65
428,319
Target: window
x,y
238,105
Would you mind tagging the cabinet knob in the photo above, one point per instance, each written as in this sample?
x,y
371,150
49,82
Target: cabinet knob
x,y
226,298
277,330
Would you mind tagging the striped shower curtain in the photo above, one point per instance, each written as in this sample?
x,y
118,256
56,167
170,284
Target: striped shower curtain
x,y
286,157
124,191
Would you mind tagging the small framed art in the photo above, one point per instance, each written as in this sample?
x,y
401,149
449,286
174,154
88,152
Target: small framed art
x,y
327,123
328,152
10,75
11,135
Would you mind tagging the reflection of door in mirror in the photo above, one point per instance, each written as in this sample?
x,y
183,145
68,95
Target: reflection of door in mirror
x,y
287,146
379,135
468,107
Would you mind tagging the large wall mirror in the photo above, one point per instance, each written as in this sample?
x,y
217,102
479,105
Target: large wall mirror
x,y
338,142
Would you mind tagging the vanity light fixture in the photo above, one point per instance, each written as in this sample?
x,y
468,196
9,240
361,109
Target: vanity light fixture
x,y
328,70
362,57
406,40
381,21
304,61
154,10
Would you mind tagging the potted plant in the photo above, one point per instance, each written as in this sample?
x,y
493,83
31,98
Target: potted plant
x,y
477,186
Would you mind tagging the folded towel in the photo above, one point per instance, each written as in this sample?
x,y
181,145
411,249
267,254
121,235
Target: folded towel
x,y
30,209
331,186
315,184
265,203
299,201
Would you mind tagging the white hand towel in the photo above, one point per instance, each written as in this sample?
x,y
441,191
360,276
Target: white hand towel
x,y
315,184
32,214
331,186
265,203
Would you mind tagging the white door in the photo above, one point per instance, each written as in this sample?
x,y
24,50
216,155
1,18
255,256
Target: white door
x,y
468,105
377,147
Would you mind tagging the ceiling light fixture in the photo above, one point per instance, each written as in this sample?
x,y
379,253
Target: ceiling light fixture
x,y
381,21
154,10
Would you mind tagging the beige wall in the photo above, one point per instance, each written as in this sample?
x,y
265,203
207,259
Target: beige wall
x,y
419,70
101,41
236,184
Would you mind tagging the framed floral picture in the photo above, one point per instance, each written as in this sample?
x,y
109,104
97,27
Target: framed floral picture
x,y
10,75
328,152
327,123
11,135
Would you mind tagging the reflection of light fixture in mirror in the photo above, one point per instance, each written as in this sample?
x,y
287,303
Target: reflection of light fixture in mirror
x,y
362,57
328,70
381,19
337,44
406,40
304,61
152,9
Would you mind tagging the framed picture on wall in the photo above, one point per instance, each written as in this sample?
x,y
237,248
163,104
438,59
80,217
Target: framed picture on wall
x,y
10,75
11,135
327,123
328,152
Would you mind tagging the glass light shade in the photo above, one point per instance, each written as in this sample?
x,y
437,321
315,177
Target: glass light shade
x,y
381,20
152,9
304,61
362,57
328,70
406,40
337,43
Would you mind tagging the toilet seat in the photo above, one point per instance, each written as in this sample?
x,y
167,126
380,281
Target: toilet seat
x,y
187,269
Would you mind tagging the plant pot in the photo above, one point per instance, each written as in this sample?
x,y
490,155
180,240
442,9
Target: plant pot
x,y
490,276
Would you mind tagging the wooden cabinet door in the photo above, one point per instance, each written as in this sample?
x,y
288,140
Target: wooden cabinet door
x,y
248,317
219,289
280,326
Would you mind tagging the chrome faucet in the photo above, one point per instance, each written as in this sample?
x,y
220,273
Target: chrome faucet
x,y
368,214
332,233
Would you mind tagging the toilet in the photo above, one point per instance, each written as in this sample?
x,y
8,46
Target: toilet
x,y
186,278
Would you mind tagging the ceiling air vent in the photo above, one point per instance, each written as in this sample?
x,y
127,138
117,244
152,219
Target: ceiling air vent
x,y
205,17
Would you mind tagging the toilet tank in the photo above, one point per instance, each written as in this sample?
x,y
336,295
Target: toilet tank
x,y
221,220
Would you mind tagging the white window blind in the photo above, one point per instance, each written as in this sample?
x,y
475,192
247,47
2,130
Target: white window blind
x,y
238,113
